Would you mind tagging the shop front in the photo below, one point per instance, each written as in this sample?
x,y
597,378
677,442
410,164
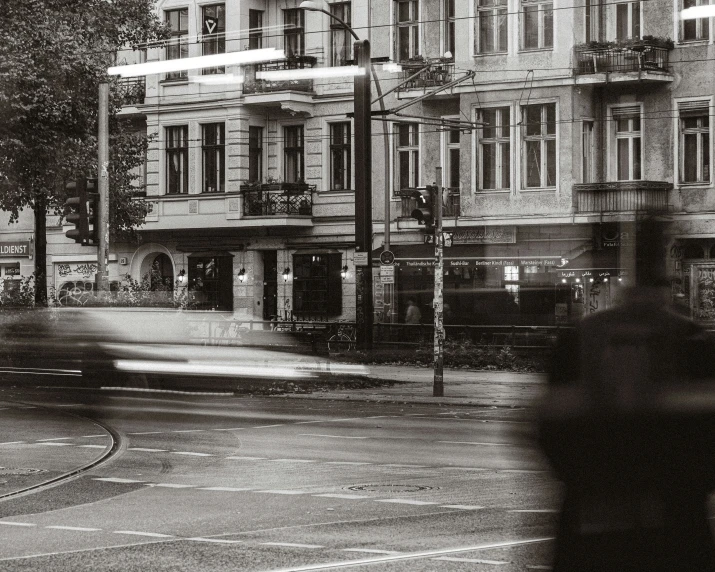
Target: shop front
x,y
15,262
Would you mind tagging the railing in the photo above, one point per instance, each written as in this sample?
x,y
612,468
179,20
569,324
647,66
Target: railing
x,y
436,72
278,200
643,57
450,208
133,90
622,196
254,85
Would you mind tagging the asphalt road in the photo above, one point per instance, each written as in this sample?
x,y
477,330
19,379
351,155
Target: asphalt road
x,y
265,484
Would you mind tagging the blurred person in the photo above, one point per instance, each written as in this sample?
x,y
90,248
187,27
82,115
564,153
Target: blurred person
x,y
413,315
637,469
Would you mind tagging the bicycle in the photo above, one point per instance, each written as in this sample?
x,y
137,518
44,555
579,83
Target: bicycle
x,y
345,337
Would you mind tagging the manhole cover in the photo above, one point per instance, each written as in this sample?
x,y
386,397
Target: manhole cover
x,y
392,488
20,471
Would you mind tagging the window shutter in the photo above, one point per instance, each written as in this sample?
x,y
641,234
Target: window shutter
x,y
335,285
626,111
693,108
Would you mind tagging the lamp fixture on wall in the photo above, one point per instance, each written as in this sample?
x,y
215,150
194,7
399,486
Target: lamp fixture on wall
x,y
286,273
344,272
182,277
242,274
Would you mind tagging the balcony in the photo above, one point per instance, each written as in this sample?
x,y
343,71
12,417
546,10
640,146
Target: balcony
x,y
132,90
645,59
623,196
278,199
253,86
433,72
450,209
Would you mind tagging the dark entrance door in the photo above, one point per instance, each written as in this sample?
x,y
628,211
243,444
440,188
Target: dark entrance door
x,y
270,284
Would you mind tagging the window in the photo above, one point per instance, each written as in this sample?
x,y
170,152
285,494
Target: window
x,y
494,160
340,156
255,153
407,35
511,275
587,174
340,38
492,26
452,137
212,150
255,32
537,24
694,142
628,20
627,123
293,32
408,156
178,46
593,20
293,154
177,159
449,24
698,28
213,30
211,282
539,151
317,285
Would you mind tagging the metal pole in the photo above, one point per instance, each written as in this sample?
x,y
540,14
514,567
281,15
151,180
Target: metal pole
x,y
438,388
363,194
103,184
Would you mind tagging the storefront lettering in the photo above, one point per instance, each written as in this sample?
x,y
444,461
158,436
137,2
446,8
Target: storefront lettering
x,y
15,248
485,235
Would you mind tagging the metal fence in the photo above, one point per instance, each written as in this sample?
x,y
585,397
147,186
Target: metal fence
x,y
621,59
276,203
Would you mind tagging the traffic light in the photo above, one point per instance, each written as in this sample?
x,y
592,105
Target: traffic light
x,y
76,211
425,205
92,210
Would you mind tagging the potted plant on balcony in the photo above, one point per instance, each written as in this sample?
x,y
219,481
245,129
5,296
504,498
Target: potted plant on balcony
x,y
272,184
297,188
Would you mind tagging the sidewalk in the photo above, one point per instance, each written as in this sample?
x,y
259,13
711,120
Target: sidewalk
x,y
461,387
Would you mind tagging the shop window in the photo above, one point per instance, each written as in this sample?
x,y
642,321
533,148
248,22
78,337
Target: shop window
x,y
211,282
492,26
317,285
340,38
213,39
511,279
177,47
539,141
212,157
694,142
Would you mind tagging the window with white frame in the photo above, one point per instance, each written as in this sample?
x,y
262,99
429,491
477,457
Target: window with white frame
x,y
539,145
492,26
592,25
213,30
626,122
450,21
537,24
494,153
294,32
255,153
452,157
628,20
177,159
511,282
407,155
213,157
694,123
177,47
293,154
255,29
340,156
407,33
340,38
587,148
696,28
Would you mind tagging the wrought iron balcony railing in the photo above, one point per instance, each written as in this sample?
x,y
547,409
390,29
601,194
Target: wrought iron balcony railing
x,y
435,72
450,208
252,85
636,56
623,196
279,199
133,90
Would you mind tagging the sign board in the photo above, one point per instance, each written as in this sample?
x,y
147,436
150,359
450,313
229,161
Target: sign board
x,y
361,259
386,270
486,235
387,257
14,249
13,270
387,279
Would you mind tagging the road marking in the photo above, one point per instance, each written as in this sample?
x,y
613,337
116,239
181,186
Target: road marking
x,y
472,560
405,501
292,545
11,523
461,506
171,486
341,496
331,436
482,444
231,429
54,439
139,533
12,443
404,466
189,453
93,446
92,436
294,460
147,433
147,450
306,422
56,444
469,469
283,492
547,510
346,463
371,551
216,540
189,431
116,480
248,458
224,489
267,426
77,528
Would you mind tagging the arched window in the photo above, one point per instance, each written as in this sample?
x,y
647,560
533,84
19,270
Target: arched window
x,y
693,250
162,273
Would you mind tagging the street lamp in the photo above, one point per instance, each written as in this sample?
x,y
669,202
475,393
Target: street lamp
x,y
363,178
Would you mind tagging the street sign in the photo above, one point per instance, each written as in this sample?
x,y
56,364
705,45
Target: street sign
x,y
387,270
361,259
387,257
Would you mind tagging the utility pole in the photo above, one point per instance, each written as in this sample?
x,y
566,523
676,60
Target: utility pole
x,y
438,387
363,194
103,187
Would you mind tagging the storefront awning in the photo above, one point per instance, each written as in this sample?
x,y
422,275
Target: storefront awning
x,y
466,255
593,263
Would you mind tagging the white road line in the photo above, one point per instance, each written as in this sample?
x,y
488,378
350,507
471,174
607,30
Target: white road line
x,y
293,460
267,426
13,443
248,458
56,444
93,446
468,469
548,510
189,453
92,436
189,431
283,492
116,480
231,429
462,506
331,436
11,523
307,422
148,433
340,496
223,489
371,551
139,533
171,486
54,439
471,560
482,444
147,450
216,540
405,501
346,463
77,528
292,545
397,465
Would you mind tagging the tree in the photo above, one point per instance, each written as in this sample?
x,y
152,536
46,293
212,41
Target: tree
x,y
53,56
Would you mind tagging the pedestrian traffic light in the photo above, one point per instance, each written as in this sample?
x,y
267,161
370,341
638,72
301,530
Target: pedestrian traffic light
x,y
425,205
92,210
76,210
